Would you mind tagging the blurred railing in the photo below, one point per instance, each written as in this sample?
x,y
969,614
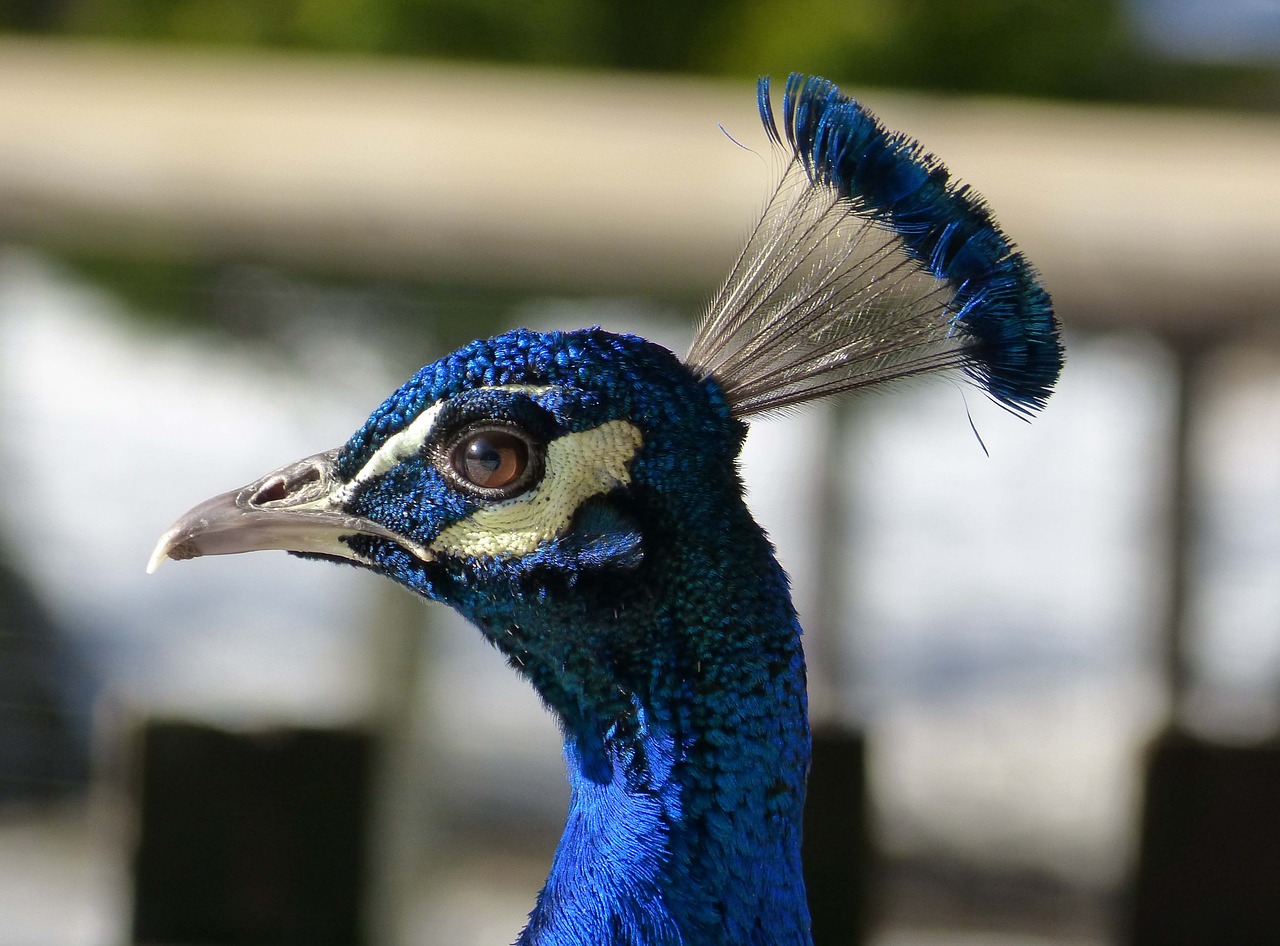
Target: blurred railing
x,y
594,181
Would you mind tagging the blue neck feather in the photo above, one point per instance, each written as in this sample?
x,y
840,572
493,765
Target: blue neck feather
x,y
685,820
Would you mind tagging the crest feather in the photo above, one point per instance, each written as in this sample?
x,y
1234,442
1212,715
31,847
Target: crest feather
x,y
869,264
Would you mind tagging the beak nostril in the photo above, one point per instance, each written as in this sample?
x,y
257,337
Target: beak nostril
x,y
273,491
285,484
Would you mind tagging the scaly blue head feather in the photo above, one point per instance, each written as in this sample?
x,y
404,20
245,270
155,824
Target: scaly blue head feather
x,y
576,496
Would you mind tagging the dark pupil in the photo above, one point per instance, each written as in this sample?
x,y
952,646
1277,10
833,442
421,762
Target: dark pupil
x,y
494,459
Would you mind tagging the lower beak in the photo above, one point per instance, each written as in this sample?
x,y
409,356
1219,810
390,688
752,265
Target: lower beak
x,y
297,508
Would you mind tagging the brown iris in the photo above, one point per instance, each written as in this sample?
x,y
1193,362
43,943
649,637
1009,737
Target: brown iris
x,y
492,459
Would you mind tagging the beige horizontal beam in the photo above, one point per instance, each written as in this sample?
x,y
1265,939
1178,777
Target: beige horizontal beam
x,y
593,182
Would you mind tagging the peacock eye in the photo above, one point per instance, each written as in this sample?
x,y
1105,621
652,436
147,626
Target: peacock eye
x,y
495,462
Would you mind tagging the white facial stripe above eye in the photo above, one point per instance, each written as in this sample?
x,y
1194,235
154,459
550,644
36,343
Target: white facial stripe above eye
x,y
398,446
409,441
578,467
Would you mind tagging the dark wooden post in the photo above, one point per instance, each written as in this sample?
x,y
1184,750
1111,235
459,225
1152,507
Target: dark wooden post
x,y
1209,859
250,838
837,852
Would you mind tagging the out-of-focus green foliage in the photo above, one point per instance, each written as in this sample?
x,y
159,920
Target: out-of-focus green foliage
x,y
660,34
267,303
1065,48
1082,49
1056,48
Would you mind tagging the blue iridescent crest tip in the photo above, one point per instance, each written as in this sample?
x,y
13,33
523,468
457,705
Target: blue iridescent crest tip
x,y
868,265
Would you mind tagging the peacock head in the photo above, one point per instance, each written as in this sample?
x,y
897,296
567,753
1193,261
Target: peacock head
x,y
556,486
534,471
516,473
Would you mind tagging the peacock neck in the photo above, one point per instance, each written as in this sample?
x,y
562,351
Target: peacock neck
x,y
684,824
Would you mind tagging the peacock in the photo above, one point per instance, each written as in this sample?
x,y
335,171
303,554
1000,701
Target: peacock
x,y
575,495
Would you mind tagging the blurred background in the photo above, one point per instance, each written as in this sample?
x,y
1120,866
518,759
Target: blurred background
x,y
1050,659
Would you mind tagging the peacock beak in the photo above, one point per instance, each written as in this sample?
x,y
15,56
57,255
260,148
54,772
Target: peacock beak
x,y
297,508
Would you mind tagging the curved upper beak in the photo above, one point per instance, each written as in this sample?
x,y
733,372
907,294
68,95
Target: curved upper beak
x,y
297,508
